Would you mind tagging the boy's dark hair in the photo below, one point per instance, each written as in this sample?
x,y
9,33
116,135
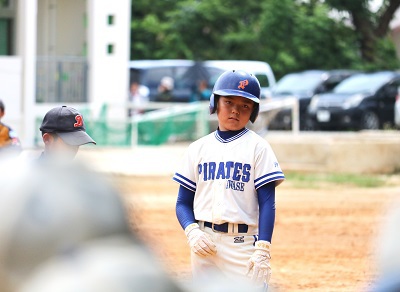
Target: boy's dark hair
x,y
1,105
55,136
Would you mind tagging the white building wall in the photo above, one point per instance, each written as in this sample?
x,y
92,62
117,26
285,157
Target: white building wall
x,y
61,28
108,71
27,16
71,21
10,90
11,78
17,75
46,31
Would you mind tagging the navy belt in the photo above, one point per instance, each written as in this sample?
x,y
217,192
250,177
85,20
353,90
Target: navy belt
x,y
242,228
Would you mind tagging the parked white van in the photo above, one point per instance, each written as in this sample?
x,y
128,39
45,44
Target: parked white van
x,y
187,75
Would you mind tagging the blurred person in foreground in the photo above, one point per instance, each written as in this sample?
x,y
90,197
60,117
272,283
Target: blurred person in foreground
x,y
388,252
64,228
9,142
63,132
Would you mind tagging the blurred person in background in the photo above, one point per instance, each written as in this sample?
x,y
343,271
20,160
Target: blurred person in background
x,y
138,96
64,228
165,89
9,142
202,91
63,132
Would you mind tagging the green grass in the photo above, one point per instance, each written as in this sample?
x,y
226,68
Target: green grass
x,y
316,180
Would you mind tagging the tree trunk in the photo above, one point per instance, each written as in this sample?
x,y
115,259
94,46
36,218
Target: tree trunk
x,y
367,38
386,16
370,27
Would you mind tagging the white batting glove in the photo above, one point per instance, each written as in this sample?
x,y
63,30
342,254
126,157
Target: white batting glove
x,y
259,263
200,242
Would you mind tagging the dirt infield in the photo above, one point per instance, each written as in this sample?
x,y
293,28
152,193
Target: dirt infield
x,y
324,238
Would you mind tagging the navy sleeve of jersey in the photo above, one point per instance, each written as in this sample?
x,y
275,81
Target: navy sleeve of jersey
x,y
266,202
184,207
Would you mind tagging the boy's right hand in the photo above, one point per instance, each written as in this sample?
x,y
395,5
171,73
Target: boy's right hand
x,y
200,242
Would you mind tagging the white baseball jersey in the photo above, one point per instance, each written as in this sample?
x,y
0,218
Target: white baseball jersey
x,y
225,176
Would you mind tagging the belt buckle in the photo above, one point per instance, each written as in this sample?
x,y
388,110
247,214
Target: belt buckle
x,y
212,228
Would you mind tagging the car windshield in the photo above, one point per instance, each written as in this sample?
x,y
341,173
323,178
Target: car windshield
x,y
184,77
296,83
362,83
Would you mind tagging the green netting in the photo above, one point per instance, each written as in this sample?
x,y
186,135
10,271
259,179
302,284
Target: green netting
x,y
38,135
151,129
110,134
169,129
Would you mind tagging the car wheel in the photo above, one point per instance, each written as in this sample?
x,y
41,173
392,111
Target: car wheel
x,y
369,121
308,125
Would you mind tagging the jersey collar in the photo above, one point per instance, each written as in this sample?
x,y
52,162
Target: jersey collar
x,y
229,136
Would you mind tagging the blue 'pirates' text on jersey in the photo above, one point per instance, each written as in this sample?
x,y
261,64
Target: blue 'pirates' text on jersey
x,y
225,176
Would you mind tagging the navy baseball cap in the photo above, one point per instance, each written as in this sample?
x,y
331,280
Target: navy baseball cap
x,y
68,124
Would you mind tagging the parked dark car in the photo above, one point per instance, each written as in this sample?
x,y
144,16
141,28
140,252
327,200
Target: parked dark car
x,y
303,85
186,75
363,101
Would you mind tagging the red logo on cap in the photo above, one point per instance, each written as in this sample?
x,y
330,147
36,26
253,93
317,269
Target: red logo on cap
x,y
243,84
79,121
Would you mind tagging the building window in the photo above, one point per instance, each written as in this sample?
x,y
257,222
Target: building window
x,y
4,3
7,24
6,37
110,49
110,20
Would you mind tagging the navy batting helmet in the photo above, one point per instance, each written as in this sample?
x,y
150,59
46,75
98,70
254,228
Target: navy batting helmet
x,y
237,83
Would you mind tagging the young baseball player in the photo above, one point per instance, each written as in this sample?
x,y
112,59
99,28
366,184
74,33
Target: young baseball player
x,y
226,199
63,131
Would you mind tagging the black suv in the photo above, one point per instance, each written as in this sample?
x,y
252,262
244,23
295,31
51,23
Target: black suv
x,y
363,101
303,85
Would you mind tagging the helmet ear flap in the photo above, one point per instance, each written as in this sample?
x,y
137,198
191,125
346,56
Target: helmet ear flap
x,y
213,103
254,114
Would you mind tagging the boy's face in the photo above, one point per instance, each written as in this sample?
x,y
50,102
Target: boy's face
x,y
233,112
55,145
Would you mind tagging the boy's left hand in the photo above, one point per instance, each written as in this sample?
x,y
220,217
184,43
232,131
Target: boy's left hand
x,y
259,263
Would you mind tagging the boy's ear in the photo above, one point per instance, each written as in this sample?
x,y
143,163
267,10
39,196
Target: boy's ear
x,y
1,113
47,138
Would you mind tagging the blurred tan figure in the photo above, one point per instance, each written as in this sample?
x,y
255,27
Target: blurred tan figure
x,y
9,141
64,228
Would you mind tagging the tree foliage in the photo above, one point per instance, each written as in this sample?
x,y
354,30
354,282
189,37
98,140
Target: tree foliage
x,y
290,35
